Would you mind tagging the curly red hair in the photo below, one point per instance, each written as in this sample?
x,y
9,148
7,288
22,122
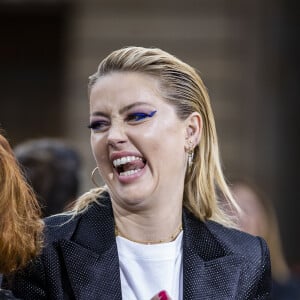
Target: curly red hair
x,y
20,224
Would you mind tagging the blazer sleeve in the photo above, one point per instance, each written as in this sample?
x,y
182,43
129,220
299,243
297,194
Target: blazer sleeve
x,y
29,283
264,282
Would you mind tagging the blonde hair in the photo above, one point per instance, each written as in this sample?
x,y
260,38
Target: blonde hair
x,y
181,86
20,224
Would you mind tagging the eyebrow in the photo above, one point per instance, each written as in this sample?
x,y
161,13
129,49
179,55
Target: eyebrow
x,y
130,106
123,109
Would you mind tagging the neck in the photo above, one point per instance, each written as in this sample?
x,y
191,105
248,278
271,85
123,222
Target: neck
x,y
171,238
148,227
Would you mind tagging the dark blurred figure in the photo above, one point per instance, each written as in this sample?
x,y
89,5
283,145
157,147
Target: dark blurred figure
x,y
52,168
258,217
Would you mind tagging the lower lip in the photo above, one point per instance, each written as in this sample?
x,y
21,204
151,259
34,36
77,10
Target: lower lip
x,y
130,178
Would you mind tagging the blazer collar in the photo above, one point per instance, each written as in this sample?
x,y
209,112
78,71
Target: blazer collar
x,y
91,256
210,270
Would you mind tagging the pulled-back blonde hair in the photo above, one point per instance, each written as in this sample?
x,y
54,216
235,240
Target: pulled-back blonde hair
x,y
20,224
181,86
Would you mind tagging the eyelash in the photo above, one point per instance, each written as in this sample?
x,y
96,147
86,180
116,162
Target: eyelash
x,y
134,117
138,116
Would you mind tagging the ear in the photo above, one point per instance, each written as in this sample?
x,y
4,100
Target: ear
x,y
193,128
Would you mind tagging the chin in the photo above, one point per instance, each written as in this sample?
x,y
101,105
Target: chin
x,y
133,201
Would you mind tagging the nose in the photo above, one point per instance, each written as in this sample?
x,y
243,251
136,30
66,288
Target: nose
x,y
116,135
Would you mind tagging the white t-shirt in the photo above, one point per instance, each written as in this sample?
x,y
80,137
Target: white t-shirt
x,y
145,270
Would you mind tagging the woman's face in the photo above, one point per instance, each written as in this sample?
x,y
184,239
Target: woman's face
x,y
137,140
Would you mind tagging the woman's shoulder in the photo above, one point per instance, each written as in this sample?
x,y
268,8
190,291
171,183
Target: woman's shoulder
x,y
60,226
236,240
228,237
63,226
224,239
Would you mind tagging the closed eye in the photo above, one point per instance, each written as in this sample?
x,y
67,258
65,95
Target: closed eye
x,y
98,125
138,116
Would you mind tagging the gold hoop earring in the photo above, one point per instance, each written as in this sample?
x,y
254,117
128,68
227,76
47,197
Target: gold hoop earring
x,y
92,177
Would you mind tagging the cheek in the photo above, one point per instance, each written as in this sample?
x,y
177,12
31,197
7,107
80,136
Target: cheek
x,y
98,148
165,145
158,136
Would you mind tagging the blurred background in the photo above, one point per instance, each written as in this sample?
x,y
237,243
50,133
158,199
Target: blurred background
x,y
247,52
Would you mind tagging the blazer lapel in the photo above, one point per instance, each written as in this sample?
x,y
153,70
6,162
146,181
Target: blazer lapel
x,y
91,257
209,271
92,276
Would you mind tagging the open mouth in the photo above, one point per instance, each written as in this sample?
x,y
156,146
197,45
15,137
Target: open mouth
x,y
129,165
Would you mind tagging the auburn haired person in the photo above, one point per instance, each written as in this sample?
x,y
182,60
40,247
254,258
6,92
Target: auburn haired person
x,y
20,224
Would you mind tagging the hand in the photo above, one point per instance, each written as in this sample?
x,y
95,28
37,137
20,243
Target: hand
x,y
162,295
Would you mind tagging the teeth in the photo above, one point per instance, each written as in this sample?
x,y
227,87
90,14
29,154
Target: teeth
x,y
130,172
124,160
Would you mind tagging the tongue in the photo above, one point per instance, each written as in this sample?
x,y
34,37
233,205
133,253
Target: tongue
x,y
134,165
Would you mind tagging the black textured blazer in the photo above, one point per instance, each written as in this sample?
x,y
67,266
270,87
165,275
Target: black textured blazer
x,y
80,261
